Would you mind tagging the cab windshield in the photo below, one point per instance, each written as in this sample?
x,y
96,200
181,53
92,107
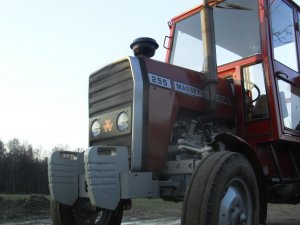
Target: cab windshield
x,y
236,29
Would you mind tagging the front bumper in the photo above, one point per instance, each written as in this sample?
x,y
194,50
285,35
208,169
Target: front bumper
x,y
101,174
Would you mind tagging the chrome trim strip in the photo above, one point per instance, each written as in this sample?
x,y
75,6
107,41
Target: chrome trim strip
x,y
137,115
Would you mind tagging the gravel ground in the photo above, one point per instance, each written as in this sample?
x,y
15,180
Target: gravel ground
x,y
28,212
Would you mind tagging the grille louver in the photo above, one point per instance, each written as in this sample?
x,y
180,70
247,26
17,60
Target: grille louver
x,y
110,88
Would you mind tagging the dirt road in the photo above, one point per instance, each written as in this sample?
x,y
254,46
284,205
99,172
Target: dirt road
x,y
144,212
283,214
277,215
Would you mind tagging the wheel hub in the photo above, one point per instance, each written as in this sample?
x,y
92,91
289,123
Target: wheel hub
x,y
236,205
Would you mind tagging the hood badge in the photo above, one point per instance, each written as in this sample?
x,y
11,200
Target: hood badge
x,y
108,125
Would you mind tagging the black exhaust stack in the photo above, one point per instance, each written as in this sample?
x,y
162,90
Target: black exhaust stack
x,y
209,51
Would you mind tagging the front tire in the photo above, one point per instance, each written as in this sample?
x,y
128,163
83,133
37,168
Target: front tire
x,y
82,213
223,191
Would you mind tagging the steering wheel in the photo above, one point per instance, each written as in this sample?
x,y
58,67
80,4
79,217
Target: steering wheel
x,y
250,86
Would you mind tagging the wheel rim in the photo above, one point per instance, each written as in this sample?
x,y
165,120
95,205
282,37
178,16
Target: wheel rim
x,y
236,205
85,214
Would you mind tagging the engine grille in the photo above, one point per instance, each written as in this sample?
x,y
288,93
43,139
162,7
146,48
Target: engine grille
x,y
110,88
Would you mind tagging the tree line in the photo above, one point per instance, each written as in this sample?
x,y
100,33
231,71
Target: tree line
x,y
22,169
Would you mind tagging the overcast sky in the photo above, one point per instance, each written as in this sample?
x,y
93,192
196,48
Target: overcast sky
x,y
48,49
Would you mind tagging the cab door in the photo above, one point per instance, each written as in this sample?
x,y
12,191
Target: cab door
x,y
284,29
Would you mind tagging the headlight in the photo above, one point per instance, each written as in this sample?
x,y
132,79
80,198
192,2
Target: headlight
x,y
123,121
95,128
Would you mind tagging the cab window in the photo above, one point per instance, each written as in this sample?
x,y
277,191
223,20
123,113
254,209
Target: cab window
x,y
255,95
289,96
283,34
237,35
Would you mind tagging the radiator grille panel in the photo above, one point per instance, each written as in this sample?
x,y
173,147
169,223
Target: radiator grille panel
x,y
110,88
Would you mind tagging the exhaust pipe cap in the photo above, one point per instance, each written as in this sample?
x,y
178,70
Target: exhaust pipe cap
x,y
144,46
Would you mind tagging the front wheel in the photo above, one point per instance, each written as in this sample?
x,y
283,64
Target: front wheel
x,y
222,191
82,213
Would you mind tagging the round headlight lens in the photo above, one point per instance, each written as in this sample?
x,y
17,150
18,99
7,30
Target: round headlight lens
x,y
95,128
123,121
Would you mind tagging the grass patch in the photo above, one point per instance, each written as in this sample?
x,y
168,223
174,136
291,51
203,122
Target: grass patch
x,y
141,203
155,203
14,197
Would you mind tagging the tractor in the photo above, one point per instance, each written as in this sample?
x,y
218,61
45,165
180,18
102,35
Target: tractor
x,y
216,126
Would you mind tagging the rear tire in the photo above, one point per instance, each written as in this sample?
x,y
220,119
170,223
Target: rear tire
x,y
222,191
83,214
